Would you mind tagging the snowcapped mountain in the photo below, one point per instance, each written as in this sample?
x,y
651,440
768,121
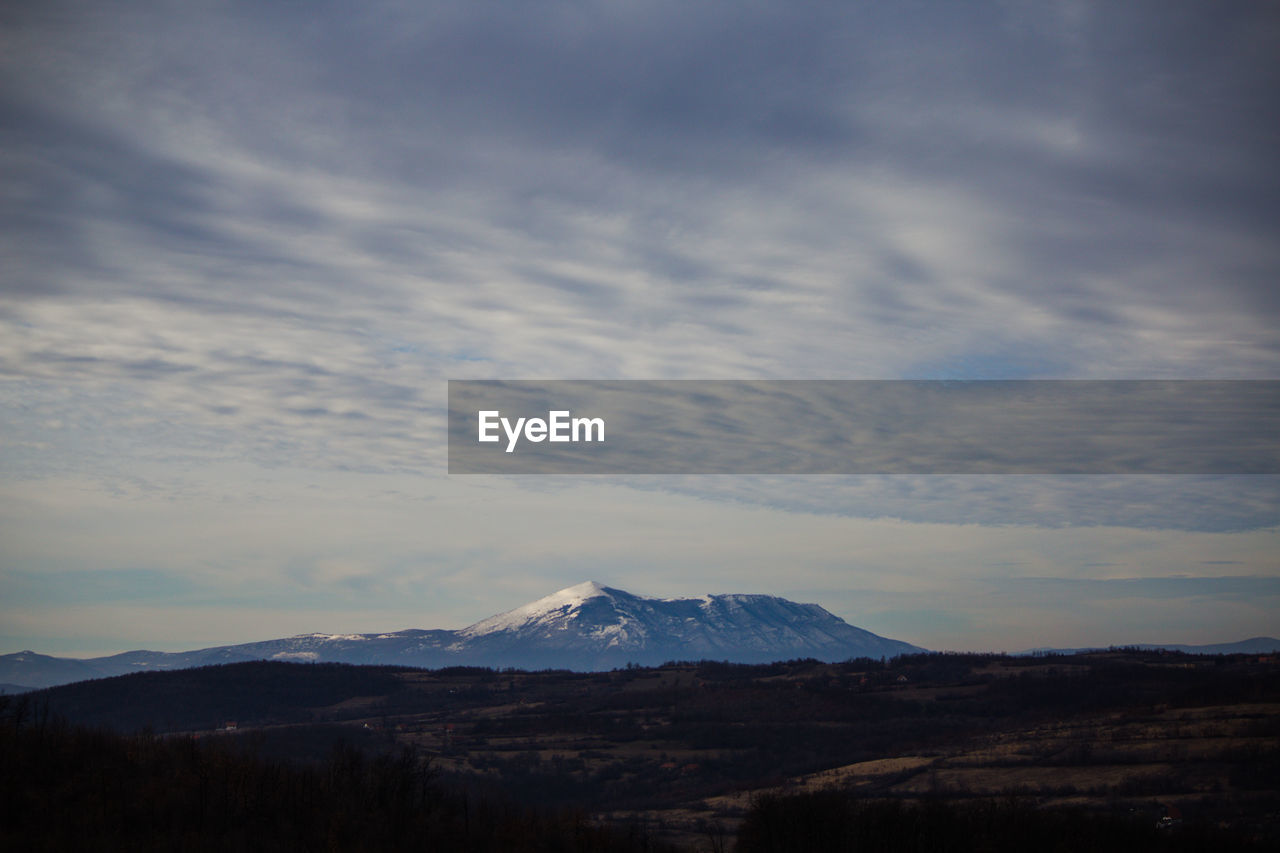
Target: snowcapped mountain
x,y
583,627
597,627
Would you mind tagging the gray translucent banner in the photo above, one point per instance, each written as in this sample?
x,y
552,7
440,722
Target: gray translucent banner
x,y
864,427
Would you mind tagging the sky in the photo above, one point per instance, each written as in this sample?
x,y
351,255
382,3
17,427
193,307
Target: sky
x,y
245,245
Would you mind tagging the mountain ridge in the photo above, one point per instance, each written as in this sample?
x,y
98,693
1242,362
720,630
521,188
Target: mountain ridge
x,y
585,627
588,626
1250,646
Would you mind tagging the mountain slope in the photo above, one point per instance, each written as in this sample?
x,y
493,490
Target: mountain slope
x,y
583,627
27,670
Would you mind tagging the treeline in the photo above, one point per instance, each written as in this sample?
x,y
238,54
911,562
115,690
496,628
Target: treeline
x,y
205,697
273,692
824,821
72,788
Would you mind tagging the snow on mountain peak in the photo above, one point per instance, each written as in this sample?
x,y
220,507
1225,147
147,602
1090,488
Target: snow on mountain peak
x,y
582,591
557,603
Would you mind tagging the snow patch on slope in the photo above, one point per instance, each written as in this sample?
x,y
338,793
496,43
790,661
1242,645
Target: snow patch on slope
x,y
330,637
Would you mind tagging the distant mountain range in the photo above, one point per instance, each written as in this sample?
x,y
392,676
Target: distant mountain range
x,y
585,627
1252,646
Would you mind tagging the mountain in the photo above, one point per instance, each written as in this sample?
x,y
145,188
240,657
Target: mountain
x,y
599,627
27,670
1251,646
584,627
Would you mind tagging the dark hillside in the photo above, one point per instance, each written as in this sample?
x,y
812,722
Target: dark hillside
x,y
689,745
70,788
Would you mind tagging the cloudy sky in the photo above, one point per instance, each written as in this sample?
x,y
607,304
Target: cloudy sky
x,y
244,246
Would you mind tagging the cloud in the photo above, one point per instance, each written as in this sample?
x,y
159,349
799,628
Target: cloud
x,y
796,187
657,192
